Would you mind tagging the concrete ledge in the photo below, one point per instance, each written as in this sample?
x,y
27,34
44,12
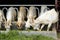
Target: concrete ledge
x,y
52,34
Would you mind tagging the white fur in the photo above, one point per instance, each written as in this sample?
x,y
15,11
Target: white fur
x,y
10,16
21,16
1,17
48,17
31,15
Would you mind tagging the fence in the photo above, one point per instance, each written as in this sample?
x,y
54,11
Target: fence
x,y
15,7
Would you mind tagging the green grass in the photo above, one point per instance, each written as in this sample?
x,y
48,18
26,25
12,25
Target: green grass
x,y
14,35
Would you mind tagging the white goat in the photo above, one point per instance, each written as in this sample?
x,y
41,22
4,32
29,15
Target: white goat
x,y
21,17
10,16
1,17
48,17
31,17
43,10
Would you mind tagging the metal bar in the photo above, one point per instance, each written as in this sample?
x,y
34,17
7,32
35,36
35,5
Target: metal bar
x,y
27,5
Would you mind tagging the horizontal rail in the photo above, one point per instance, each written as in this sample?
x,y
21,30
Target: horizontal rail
x,y
27,5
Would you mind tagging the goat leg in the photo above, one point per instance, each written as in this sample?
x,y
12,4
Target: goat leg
x,y
49,26
42,27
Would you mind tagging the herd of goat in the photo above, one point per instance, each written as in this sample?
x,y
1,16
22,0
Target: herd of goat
x,y
45,17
